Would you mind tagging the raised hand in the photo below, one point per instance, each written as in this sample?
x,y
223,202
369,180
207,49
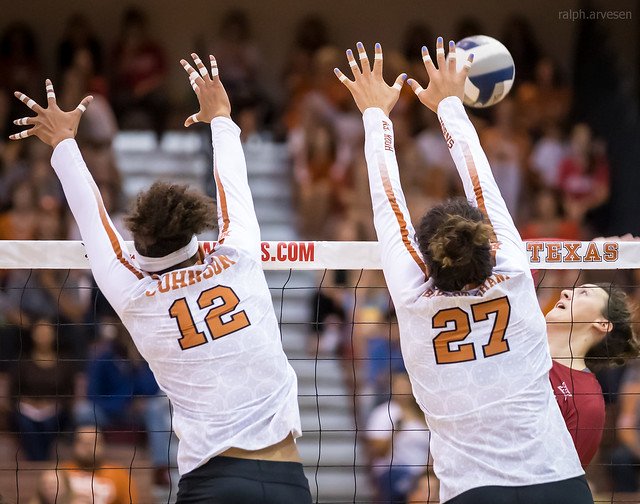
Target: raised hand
x,y
445,80
51,125
211,94
368,87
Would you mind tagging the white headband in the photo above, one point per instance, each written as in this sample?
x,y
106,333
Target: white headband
x,y
153,264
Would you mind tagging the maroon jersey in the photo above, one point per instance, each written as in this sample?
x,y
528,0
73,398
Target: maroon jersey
x,y
580,399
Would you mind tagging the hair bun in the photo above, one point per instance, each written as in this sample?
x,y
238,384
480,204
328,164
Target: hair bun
x,y
457,241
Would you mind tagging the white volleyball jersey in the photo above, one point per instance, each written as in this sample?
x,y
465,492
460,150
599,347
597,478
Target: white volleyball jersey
x,y
478,360
209,331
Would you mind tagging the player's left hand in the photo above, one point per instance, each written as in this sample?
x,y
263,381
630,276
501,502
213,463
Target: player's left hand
x,y
368,87
444,80
211,94
51,125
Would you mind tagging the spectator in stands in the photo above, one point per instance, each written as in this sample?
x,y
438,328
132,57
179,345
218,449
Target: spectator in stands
x,y
19,58
384,357
238,53
625,460
545,100
78,37
19,222
507,148
584,174
93,479
398,440
123,394
546,156
53,488
426,488
548,219
42,388
139,72
59,295
519,36
310,37
313,147
99,127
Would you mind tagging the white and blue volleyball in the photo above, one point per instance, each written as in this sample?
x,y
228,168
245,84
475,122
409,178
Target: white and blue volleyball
x,y
491,74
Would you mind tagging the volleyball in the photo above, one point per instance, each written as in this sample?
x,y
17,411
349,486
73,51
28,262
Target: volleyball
x,y
491,74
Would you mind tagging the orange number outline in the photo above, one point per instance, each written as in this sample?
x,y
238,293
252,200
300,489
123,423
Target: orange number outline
x,y
190,337
497,343
502,309
461,329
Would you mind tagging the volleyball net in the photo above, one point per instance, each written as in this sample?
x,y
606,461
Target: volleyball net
x,y
340,335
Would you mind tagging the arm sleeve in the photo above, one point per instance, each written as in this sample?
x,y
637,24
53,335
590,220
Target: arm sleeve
x,y
237,221
112,269
403,266
479,185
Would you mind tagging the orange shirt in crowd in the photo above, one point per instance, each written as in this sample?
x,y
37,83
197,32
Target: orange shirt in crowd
x,y
108,485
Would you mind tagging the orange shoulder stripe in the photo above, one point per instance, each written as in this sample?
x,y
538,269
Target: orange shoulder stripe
x,y
222,200
115,244
475,181
404,231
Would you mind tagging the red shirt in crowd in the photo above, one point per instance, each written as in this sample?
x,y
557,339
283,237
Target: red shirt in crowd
x,y
582,405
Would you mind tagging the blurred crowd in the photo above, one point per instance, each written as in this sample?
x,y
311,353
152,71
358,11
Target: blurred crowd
x,y
552,171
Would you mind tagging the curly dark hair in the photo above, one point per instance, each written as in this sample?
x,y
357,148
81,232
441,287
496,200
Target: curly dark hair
x,y
166,216
619,344
454,238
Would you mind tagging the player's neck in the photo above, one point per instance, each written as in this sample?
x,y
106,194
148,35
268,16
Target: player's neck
x,y
184,264
568,350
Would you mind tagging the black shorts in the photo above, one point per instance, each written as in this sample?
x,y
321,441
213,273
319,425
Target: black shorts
x,y
570,491
230,480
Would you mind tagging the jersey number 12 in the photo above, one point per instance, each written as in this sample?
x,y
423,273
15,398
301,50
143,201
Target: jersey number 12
x,y
190,337
465,352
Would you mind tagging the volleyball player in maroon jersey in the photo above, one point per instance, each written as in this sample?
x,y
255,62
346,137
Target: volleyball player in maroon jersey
x,y
589,329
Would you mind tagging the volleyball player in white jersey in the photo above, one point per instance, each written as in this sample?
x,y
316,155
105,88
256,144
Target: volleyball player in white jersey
x,y
472,335
205,324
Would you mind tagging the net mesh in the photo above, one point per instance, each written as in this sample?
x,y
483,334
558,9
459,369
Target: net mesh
x,y
340,334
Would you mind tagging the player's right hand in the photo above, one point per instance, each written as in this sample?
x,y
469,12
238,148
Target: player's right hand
x,y
445,80
51,125
211,94
368,87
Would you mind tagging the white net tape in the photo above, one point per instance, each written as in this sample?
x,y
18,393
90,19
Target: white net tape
x,y
319,255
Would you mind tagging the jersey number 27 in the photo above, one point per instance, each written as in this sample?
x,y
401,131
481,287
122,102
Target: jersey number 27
x,y
221,300
480,312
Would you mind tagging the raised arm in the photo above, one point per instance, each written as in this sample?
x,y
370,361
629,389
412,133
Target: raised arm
x,y
402,263
237,221
115,275
444,96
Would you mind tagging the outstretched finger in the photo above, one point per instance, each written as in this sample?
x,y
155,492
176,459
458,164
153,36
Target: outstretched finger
x,y
192,119
417,88
377,60
51,94
25,121
22,134
440,53
201,68
195,87
342,77
428,62
452,56
28,102
82,106
364,59
397,85
193,75
214,66
352,63
467,66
